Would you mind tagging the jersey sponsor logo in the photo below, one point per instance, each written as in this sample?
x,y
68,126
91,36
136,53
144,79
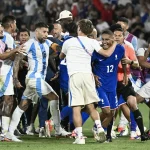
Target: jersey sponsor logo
x,y
101,59
116,57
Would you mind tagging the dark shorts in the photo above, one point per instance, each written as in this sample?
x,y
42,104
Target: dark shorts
x,y
125,91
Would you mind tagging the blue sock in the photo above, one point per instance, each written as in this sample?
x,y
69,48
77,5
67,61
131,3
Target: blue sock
x,y
85,116
133,122
66,111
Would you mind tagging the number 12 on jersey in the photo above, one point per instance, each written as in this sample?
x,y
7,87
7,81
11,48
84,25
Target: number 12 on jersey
x,y
110,68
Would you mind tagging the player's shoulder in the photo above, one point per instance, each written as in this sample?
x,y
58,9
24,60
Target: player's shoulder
x,y
119,47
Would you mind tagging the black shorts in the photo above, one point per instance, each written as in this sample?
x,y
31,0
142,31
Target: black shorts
x,y
125,91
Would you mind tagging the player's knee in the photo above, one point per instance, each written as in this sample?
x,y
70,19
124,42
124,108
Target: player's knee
x,y
52,96
7,106
24,104
132,103
139,99
106,111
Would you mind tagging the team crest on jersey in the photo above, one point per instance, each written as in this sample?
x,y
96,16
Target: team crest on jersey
x,y
116,57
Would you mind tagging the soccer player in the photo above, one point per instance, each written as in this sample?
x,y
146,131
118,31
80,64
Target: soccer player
x,y
7,91
105,71
127,91
37,50
82,92
3,56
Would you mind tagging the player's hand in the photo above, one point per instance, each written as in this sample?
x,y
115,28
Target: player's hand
x,y
20,49
17,84
125,80
126,60
97,82
55,77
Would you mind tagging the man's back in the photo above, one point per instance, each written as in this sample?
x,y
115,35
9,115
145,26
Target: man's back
x,y
78,58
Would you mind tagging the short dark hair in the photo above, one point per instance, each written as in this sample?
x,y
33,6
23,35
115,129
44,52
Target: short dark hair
x,y
123,19
24,30
109,32
41,25
71,28
86,26
7,19
116,27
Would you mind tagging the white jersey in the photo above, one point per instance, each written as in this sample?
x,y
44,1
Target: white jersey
x,y
79,59
7,64
38,54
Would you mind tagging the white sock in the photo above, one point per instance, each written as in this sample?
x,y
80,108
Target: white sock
x,y
54,108
5,124
98,123
79,131
15,119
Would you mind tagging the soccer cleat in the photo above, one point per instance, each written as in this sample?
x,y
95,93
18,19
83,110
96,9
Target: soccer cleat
x,y
42,132
74,135
113,134
79,140
17,132
108,139
30,130
99,134
144,137
12,137
62,133
48,128
134,136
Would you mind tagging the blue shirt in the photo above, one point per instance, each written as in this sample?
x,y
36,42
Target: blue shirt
x,y
106,68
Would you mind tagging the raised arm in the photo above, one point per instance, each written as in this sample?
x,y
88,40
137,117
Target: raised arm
x,y
19,57
109,51
11,53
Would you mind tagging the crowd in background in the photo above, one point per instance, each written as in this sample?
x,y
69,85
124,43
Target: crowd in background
x,y
103,13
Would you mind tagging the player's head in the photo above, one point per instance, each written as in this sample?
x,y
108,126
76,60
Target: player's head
x,y
71,28
85,27
1,31
9,23
93,35
124,23
107,39
41,31
24,35
57,30
118,35
65,17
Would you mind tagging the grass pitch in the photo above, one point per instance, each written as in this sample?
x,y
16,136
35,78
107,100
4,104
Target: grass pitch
x,y
121,143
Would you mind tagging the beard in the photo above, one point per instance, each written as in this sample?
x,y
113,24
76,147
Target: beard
x,y
1,37
41,40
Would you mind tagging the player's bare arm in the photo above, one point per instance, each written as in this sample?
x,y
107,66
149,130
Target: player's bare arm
x,y
9,53
109,51
19,57
125,78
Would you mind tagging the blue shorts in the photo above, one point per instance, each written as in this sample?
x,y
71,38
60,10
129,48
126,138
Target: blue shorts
x,y
121,101
107,99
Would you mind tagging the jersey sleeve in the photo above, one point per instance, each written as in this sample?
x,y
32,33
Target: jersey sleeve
x,y
140,52
132,55
96,45
64,47
48,42
134,43
10,42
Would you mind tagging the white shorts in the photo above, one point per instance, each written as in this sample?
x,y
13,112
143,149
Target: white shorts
x,y
82,89
145,90
6,85
35,88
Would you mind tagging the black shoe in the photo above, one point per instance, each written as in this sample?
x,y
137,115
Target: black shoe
x,y
108,139
144,137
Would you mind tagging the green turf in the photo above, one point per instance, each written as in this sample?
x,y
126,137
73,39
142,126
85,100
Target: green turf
x,y
35,143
